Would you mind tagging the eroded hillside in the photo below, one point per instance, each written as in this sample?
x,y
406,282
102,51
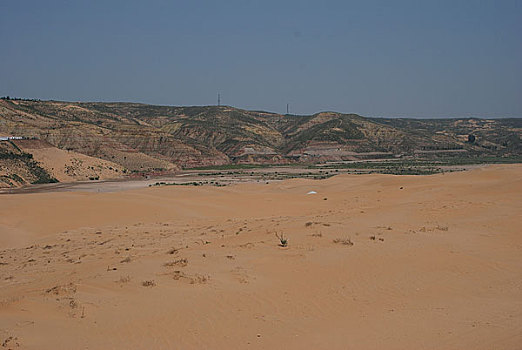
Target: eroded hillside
x,y
145,138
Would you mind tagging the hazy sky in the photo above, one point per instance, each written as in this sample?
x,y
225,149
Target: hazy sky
x,y
376,58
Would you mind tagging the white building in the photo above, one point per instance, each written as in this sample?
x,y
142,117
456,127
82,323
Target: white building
x,y
7,138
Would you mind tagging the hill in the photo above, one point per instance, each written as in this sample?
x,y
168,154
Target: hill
x,y
146,138
19,168
33,161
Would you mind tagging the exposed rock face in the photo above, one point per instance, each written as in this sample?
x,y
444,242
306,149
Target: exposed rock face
x,y
162,138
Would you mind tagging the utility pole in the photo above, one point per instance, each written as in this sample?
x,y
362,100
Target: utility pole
x,y
219,99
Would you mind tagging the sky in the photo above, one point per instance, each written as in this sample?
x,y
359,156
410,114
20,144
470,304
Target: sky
x,y
425,59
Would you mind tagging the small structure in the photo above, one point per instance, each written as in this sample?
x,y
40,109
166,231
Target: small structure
x,y
7,138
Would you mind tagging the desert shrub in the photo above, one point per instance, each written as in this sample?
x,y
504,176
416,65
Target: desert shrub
x,y
180,262
172,251
149,283
343,241
282,240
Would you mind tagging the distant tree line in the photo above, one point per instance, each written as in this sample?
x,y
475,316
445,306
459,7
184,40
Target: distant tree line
x,y
9,98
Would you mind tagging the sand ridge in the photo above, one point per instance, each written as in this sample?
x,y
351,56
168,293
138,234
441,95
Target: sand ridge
x,y
435,263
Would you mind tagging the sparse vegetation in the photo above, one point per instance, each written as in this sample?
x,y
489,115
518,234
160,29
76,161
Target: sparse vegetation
x,y
180,263
193,183
173,251
343,241
149,283
40,175
427,166
192,279
283,241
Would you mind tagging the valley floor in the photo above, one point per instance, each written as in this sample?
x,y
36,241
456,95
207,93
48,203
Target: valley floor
x,y
372,262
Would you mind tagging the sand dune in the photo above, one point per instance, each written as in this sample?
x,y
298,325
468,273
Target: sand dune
x,y
373,262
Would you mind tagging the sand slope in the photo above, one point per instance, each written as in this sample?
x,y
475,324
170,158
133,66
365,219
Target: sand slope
x,y
436,263
67,166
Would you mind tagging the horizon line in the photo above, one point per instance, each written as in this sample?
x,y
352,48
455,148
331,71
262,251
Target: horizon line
x,y
10,98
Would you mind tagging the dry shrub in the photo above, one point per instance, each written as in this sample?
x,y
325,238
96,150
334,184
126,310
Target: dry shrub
x,y
173,251
343,241
149,283
180,262
283,241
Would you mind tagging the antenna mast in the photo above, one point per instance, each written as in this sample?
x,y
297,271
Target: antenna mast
x,y
287,108
219,99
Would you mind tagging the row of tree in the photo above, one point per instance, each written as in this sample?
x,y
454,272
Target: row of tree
x,y
9,98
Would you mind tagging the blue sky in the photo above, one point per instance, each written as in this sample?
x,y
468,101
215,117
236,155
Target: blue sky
x,y
376,58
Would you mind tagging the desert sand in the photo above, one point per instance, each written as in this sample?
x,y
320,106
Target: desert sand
x,y
372,262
